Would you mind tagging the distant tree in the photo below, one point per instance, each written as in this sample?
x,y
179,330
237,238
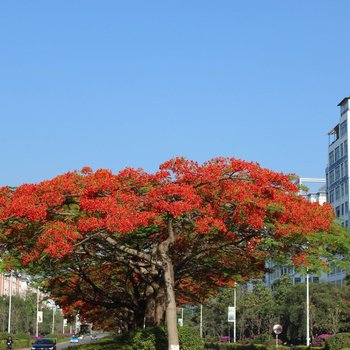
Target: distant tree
x,y
258,311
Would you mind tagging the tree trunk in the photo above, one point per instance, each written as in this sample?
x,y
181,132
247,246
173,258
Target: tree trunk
x,y
156,306
171,318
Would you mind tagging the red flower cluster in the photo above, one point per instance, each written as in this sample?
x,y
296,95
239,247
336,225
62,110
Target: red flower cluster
x,y
224,207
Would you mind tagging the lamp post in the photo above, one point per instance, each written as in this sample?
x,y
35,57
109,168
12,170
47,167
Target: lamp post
x,y
235,308
53,318
201,323
307,310
37,313
10,304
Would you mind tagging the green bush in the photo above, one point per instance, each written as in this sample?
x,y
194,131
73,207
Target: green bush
x,y
302,347
338,341
17,343
265,339
59,337
21,336
4,335
156,339
189,339
234,346
148,339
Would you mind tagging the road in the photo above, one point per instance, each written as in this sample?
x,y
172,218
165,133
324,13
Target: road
x,y
86,340
65,345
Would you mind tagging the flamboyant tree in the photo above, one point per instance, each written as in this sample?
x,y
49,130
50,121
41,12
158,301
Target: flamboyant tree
x,y
134,241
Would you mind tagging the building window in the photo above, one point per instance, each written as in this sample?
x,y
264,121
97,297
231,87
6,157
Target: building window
x,y
346,147
341,150
343,128
297,280
342,189
346,168
336,154
342,209
315,279
344,107
331,196
337,210
331,176
331,158
337,193
346,185
337,173
346,207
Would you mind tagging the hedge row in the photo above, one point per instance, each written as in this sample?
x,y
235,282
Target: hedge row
x,y
147,339
238,346
156,339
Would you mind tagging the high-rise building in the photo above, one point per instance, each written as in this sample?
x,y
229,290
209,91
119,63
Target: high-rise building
x,y
335,191
337,173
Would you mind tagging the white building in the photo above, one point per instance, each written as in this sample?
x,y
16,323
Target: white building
x,y
336,190
337,173
14,284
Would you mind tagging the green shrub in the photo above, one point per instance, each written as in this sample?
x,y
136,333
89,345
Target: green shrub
x,y
189,339
338,341
5,335
147,339
22,336
17,343
234,346
58,337
263,339
302,347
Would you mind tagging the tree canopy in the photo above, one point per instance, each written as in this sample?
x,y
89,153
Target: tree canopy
x,y
136,242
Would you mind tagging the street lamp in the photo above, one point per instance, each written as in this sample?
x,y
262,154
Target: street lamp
x,y
201,322
235,310
52,305
10,304
53,319
307,309
37,313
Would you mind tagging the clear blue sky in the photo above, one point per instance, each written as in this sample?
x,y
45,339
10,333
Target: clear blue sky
x,y
111,83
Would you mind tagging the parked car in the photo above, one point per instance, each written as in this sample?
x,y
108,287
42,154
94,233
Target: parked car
x,y
44,344
74,339
93,337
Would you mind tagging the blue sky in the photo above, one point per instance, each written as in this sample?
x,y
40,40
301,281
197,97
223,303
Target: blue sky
x,y
111,84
